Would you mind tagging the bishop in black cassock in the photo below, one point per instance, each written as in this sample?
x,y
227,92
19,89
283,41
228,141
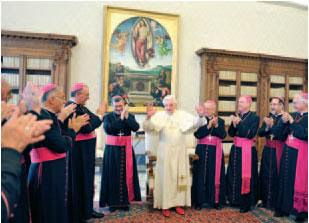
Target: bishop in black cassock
x,y
208,185
82,158
293,175
271,156
48,170
242,170
119,184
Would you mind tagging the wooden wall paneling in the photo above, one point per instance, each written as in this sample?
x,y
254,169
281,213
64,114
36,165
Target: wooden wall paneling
x,y
23,62
40,45
215,60
203,78
264,83
211,73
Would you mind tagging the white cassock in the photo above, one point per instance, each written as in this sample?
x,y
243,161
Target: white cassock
x,y
172,183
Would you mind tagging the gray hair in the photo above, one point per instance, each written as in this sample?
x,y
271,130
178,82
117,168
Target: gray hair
x,y
169,98
48,94
31,96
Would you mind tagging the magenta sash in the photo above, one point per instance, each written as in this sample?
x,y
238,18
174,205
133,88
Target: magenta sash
x,y
81,136
246,159
127,142
44,154
278,145
301,179
215,141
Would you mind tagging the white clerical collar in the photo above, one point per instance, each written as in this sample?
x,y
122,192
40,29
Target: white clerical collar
x,y
73,100
242,114
277,114
303,113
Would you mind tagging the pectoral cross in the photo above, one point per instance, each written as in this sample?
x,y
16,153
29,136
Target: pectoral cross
x,y
120,133
271,137
209,136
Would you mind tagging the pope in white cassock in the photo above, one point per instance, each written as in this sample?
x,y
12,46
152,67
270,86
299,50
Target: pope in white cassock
x,y
172,184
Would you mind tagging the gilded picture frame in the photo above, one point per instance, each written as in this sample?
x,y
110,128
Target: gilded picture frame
x,y
140,56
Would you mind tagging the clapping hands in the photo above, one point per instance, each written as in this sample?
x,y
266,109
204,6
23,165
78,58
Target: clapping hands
x,y
150,111
200,109
286,117
76,123
235,120
66,112
213,122
125,113
269,122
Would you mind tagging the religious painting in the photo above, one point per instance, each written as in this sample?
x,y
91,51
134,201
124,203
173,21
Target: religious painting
x,y
140,56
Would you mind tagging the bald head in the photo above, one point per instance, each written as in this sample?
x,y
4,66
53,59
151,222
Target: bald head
x,y
5,90
210,108
300,102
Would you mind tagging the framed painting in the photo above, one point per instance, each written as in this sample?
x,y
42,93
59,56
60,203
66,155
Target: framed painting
x,y
140,54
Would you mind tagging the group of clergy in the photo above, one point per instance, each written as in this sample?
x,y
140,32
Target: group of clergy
x,y
281,184
57,180
57,173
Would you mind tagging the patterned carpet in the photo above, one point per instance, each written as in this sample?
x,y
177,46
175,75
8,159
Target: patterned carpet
x,y
140,213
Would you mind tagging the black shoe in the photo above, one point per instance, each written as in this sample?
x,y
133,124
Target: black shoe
x,y
278,214
197,207
261,205
299,219
125,208
244,209
96,214
217,206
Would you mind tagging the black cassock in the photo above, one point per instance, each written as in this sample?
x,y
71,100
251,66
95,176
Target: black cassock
x,y
203,186
268,178
247,128
22,208
10,182
48,180
113,183
299,130
82,168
